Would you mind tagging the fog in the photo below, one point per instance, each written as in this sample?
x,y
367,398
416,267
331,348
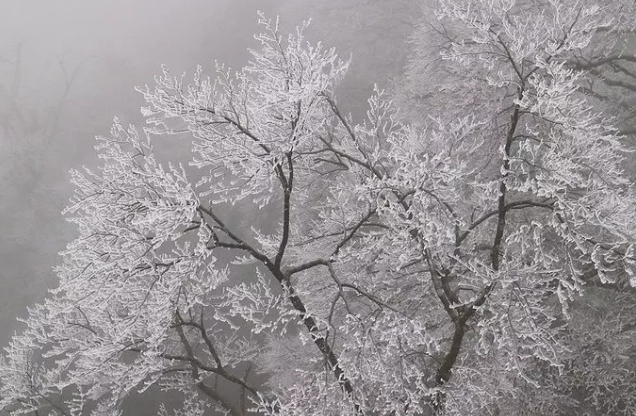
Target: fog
x,y
67,67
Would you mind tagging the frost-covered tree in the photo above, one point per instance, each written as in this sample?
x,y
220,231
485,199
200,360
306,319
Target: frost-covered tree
x,y
504,50
414,266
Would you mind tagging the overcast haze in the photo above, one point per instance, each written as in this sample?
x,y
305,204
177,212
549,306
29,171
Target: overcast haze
x,y
68,66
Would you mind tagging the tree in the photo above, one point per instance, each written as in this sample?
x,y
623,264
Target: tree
x,y
28,128
416,266
603,67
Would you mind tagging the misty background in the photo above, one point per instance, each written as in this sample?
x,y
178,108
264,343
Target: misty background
x,y
68,66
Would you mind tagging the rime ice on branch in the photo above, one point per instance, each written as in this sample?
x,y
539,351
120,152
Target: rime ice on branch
x,y
416,266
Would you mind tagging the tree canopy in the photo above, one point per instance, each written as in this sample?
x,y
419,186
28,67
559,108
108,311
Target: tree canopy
x,y
467,249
